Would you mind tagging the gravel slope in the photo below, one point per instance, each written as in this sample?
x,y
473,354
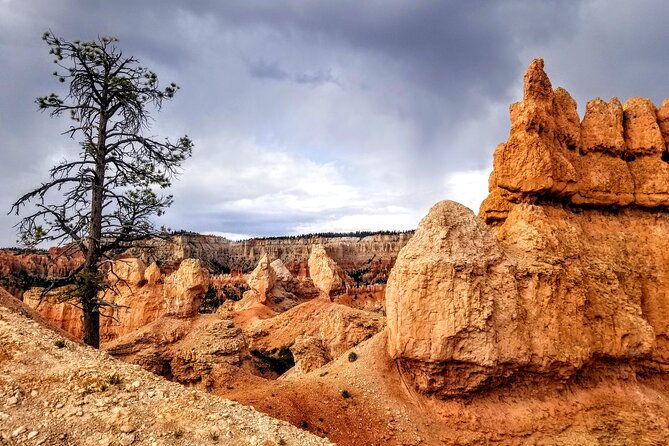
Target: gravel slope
x,y
54,391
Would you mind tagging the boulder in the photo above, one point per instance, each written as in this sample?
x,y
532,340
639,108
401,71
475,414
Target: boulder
x,y
451,299
326,275
184,289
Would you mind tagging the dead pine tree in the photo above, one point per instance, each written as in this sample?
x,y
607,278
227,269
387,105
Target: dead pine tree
x,y
103,198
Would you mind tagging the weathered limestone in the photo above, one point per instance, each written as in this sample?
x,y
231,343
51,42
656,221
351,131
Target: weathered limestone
x,y
324,272
616,157
184,289
572,272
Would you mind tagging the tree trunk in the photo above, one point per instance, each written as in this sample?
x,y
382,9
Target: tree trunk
x,y
92,326
89,298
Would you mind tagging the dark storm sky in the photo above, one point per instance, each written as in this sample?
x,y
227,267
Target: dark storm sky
x,y
326,115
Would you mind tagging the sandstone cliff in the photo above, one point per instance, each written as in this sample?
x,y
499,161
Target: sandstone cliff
x,y
574,268
20,269
138,294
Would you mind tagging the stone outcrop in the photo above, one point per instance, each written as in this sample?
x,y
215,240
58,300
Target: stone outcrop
x,y
336,326
451,298
617,156
309,354
184,289
152,274
139,295
326,275
203,350
573,269
260,281
269,284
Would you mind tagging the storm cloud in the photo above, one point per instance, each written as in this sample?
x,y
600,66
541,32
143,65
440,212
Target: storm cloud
x,y
331,115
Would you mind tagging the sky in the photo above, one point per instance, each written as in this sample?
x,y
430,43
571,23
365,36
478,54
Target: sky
x,y
331,115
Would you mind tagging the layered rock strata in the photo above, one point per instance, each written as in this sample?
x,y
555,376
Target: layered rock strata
x,y
615,157
374,253
572,271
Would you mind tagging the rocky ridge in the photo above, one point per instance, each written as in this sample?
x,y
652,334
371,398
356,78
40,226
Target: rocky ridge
x,y
616,157
573,271
374,252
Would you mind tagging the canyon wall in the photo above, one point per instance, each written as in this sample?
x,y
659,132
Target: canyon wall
x,y
572,271
373,252
20,269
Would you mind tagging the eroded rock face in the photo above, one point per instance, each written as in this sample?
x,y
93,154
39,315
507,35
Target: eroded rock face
x,y
309,354
337,327
152,274
269,284
615,157
324,272
139,294
451,298
262,279
573,270
128,271
184,289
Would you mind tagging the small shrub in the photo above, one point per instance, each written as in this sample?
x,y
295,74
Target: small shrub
x,y
345,394
352,357
178,433
210,301
304,425
114,379
59,343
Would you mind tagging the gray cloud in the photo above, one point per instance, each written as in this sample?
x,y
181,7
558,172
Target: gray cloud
x,y
333,114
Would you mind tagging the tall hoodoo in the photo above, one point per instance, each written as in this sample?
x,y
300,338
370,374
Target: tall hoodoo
x,y
573,268
617,156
